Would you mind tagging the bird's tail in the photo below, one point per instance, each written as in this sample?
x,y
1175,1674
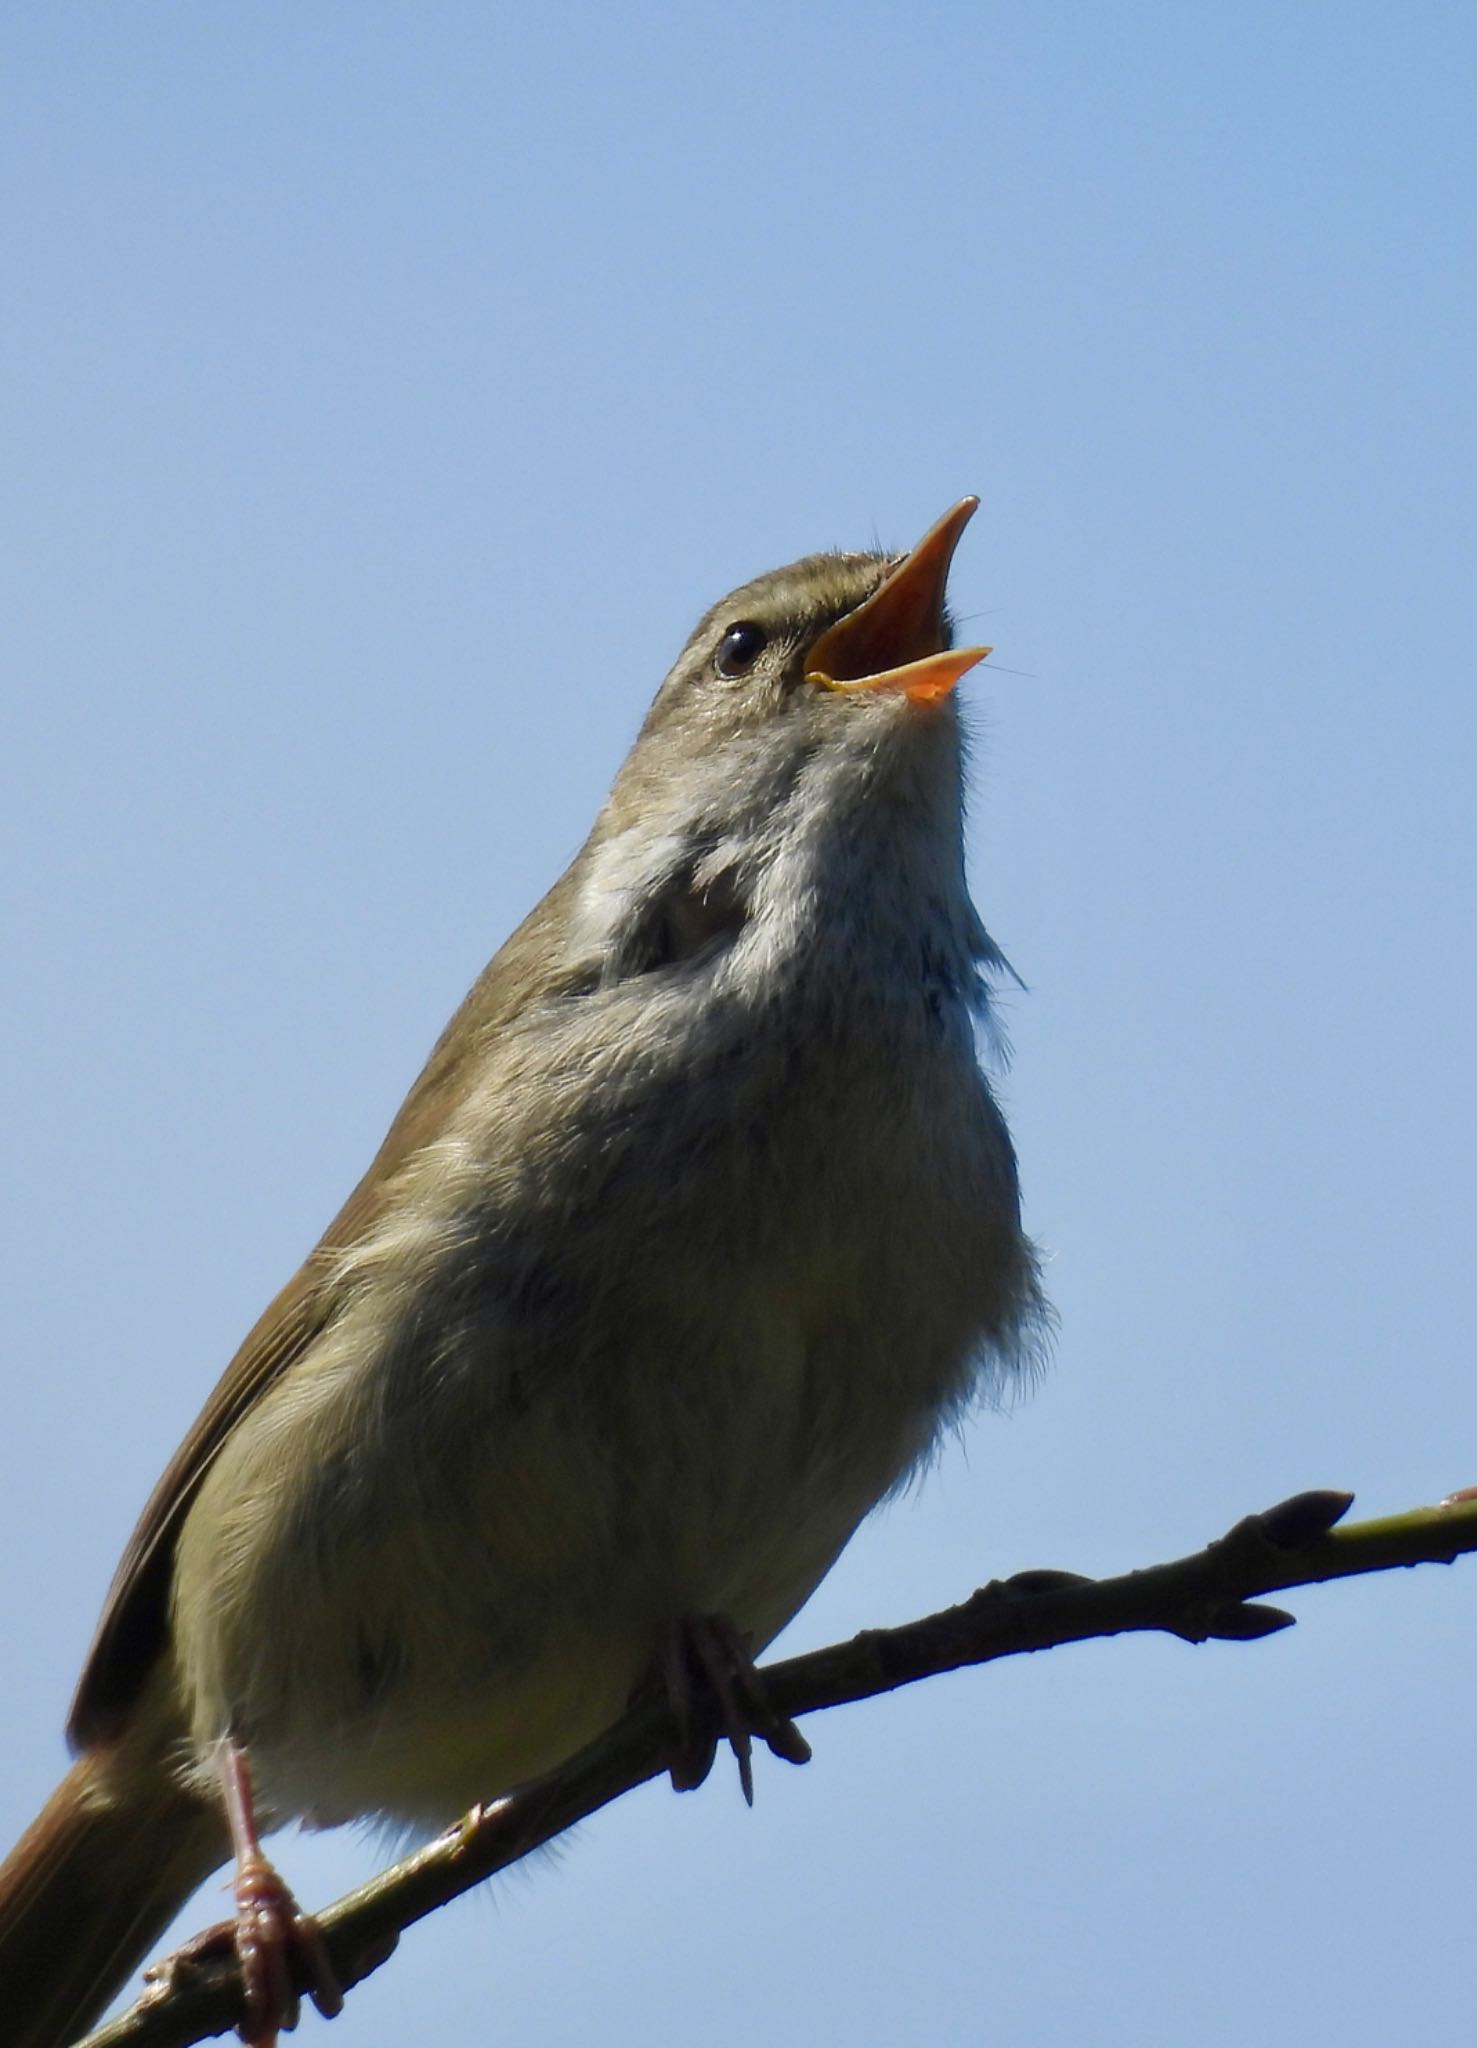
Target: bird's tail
x,y
88,1890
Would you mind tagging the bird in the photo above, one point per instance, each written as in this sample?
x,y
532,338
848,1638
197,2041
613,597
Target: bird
x,y
698,1231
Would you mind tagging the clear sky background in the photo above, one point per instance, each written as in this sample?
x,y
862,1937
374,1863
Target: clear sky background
x,y
385,392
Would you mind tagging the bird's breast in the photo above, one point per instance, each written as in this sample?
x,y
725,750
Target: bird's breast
x,y
680,1293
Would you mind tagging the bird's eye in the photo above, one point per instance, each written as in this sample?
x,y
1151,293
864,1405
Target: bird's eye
x,y
740,647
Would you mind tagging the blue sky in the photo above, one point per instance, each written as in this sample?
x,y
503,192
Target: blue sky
x,y
385,392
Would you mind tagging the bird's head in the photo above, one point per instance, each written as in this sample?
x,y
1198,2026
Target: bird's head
x,y
800,764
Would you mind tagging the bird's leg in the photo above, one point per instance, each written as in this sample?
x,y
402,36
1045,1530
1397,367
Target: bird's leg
x,y
269,1926
706,1655
269,1923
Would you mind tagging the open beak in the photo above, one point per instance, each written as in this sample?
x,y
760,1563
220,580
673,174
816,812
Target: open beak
x,y
895,641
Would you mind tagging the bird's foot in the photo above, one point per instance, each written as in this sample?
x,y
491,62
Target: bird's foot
x,y
714,1690
269,1934
272,1931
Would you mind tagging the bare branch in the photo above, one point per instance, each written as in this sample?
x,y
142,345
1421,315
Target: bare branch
x,y
1213,1594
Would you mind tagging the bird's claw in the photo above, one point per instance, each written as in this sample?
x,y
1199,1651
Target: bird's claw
x,y
707,1656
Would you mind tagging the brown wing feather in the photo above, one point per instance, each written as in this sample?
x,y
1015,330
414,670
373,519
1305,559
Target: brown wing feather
x,y
135,1618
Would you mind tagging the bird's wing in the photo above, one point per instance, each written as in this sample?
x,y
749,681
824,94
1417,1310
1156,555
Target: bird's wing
x,y
135,1618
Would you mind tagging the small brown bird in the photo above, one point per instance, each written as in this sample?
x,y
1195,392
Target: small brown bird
x,y
699,1226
